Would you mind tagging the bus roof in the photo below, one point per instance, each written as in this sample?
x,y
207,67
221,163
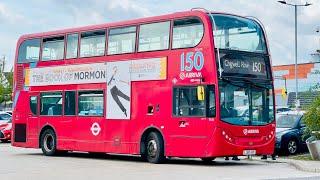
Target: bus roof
x,y
116,24
195,12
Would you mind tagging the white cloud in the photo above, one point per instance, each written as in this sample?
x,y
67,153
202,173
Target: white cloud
x,y
7,15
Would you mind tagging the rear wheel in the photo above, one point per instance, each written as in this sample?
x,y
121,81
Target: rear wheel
x,y
154,148
49,142
292,147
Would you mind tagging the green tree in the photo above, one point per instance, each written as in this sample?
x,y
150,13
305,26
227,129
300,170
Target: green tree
x,y
312,118
6,89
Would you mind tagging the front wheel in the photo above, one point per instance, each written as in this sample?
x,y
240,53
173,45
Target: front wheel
x,y
49,142
292,147
154,148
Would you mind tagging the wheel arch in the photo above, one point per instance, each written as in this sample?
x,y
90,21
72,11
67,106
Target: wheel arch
x,y
45,127
144,136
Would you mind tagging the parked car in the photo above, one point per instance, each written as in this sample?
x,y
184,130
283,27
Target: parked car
x,y
5,117
5,127
5,131
9,112
280,109
289,131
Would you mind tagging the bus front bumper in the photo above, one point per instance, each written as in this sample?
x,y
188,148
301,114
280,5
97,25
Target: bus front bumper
x,y
220,146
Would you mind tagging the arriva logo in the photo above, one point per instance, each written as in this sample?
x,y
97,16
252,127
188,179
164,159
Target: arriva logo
x,y
250,131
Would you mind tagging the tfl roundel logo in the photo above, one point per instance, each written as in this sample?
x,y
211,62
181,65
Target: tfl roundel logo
x,y
95,129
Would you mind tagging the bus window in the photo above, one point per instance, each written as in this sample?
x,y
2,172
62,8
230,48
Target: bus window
x,y
70,103
122,40
187,33
53,48
51,103
29,51
92,43
90,103
154,36
34,105
186,102
72,46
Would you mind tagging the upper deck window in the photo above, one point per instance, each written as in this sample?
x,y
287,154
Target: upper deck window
x,y
53,48
92,43
187,33
154,36
72,46
29,51
122,40
237,33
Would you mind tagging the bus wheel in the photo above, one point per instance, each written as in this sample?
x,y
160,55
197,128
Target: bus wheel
x,y
48,142
208,159
154,148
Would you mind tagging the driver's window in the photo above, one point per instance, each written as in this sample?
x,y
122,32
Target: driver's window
x,y
186,103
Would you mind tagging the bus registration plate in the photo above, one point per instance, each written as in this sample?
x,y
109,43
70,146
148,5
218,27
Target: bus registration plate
x,y
249,152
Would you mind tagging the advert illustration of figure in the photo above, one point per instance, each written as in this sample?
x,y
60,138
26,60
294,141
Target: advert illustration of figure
x,y
115,92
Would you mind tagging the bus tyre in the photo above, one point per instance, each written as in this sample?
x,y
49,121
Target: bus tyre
x,y
49,143
208,159
154,148
292,147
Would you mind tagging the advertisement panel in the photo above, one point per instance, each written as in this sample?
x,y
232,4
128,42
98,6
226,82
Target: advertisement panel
x,y
63,75
139,70
118,90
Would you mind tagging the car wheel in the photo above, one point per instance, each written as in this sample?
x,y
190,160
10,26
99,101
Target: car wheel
x,y
154,148
49,143
292,147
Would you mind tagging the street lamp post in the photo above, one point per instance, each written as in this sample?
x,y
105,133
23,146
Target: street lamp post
x,y
296,42
317,31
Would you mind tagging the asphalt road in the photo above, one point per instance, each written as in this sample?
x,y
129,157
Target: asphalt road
x,y
25,164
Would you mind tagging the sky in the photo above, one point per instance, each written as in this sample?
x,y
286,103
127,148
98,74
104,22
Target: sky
x,y
24,17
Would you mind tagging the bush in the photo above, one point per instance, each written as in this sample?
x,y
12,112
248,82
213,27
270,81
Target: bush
x,y
312,118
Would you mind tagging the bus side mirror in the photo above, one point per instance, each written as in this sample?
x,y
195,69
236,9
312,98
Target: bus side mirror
x,y
200,93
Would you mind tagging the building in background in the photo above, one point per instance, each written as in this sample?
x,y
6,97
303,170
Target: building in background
x,y
308,83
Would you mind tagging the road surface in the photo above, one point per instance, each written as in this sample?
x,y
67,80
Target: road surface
x,y
30,164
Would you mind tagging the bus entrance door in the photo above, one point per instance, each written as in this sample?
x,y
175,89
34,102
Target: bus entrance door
x,y
188,129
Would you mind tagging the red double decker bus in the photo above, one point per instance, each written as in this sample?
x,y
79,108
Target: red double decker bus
x,y
188,84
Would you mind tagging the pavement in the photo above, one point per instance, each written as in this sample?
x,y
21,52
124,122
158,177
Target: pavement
x,y
20,163
302,165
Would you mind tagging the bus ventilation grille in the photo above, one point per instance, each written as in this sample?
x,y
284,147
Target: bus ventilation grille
x,y
20,133
20,79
